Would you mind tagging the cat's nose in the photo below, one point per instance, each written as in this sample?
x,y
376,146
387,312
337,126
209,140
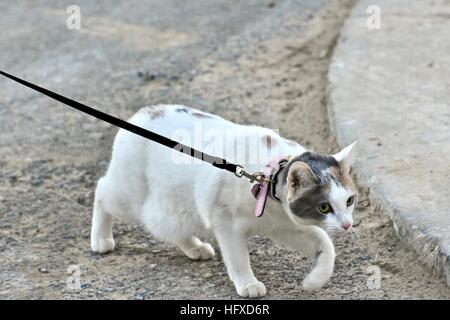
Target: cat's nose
x,y
346,226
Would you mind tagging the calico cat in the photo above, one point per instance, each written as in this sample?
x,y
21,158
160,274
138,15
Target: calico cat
x,y
180,199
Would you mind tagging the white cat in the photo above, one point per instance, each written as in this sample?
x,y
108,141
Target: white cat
x,y
180,199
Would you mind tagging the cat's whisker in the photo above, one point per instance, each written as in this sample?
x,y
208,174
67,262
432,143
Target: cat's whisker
x,y
355,235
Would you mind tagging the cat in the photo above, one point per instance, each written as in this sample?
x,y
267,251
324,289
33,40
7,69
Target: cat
x,y
180,199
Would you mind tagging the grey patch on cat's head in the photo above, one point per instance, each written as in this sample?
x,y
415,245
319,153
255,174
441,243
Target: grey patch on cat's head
x,y
268,141
316,175
318,163
305,206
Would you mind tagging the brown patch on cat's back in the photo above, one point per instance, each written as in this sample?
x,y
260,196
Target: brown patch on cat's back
x,y
182,110
156,112
201,115
268,141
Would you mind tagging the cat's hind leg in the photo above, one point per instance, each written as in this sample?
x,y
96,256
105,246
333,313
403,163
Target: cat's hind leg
x,y
165,224
102,240
195,249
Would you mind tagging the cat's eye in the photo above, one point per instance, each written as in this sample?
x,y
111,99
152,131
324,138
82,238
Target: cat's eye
x,y
324,208
350,201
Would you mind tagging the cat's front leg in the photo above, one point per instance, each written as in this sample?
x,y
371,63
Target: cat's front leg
x,y
233,246
311,241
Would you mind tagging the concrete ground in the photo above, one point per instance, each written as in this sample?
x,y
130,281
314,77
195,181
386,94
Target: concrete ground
x,y
390,89
251,61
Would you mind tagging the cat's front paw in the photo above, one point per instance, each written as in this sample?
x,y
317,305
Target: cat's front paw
x,y
102,245
255,289
313,282
203,252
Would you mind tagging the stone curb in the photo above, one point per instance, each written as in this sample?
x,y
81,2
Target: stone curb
x,y
385,89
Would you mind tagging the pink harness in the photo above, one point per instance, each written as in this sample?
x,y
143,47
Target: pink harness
x,y
261,190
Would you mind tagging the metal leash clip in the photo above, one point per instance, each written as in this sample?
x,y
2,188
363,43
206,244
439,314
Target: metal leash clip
x,y
257,176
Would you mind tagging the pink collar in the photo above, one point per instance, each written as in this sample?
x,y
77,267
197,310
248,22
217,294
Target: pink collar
x,y
261,190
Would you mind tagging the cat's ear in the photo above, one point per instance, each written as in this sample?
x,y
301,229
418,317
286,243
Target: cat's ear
x,y
344,157
299,176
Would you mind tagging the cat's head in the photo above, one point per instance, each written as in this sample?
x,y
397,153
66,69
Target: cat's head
x,y
318,189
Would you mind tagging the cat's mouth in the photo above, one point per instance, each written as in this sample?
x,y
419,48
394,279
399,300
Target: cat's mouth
x,y
333,228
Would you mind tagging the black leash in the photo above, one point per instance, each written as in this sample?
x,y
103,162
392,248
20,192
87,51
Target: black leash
x,y
215,161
